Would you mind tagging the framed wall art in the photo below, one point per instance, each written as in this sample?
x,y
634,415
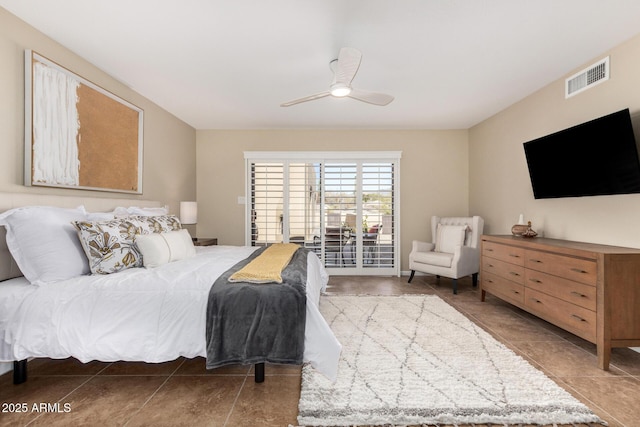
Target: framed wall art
x,y
77,134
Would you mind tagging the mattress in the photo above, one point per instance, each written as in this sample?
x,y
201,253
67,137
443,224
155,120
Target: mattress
x,y
150,315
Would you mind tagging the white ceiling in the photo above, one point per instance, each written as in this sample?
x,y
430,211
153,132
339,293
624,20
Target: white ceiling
x,y
230,64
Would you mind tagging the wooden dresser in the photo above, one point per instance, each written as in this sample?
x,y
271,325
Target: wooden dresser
x,y
590,290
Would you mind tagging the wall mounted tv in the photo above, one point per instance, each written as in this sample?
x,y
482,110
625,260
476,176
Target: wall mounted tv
x,y
595,158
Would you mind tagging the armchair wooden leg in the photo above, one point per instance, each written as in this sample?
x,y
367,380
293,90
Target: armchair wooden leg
x,y
411,276
474,279
455,286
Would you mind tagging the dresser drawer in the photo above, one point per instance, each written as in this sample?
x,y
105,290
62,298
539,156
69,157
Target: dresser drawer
x,y
567,290
503,269
578,269
588,289
510,254
502,288
571,317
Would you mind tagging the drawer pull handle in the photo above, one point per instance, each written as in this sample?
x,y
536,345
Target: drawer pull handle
x,y
491,265
536,261
536,300
489,250
579,270
578,294
535,280
578,317
516,292
514,256
513,273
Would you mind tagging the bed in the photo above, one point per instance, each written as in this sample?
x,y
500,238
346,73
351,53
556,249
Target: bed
x,y
137,314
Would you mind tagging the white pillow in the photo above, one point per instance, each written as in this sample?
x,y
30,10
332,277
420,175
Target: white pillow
x,y
133,210
100,216
44,243
162,248
448,237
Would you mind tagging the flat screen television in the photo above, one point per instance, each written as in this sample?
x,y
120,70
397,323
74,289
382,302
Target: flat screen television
x,y
595,158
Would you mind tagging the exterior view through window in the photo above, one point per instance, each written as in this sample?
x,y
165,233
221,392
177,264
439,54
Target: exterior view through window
x,y
345,210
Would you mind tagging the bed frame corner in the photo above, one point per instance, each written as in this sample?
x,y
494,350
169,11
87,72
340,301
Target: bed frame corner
x,y
19,371
259,372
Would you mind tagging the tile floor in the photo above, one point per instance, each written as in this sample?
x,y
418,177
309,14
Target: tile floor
x,y
184,393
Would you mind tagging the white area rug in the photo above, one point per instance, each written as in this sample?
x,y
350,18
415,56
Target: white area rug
x,y
414,360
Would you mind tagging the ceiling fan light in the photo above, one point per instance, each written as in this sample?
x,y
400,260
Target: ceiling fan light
x,y
340,90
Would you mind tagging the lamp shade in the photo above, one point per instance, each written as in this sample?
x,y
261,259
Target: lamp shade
x,y
189,212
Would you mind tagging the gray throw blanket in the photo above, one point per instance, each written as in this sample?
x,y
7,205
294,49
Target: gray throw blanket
x,y
254,323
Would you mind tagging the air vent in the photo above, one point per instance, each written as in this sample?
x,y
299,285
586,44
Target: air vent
x,y
587,78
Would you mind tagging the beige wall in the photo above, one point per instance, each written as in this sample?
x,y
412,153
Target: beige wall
x,y
434,174
499,182
169,144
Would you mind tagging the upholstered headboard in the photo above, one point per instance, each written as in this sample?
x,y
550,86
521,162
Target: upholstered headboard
x,y
8,267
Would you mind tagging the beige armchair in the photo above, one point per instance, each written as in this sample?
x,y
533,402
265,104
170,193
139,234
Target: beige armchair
x,y
454,252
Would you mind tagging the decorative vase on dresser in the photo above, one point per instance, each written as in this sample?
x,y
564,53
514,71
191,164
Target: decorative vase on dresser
x,y
590,290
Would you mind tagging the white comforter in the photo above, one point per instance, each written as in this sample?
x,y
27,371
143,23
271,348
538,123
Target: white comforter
x,y
150,315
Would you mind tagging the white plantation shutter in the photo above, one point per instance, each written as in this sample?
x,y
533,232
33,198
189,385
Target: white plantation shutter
x,y
339,186
303,210
267,184
378,212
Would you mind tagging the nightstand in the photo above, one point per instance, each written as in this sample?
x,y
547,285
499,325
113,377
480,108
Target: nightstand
x,y
205,241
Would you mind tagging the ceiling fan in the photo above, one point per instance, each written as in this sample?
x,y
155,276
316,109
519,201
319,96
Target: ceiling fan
x,y
345,68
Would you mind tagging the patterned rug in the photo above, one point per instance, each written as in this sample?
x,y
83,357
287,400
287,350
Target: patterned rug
x,y
415,360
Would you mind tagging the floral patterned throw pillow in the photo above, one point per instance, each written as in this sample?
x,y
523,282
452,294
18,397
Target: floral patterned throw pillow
x,y
110,245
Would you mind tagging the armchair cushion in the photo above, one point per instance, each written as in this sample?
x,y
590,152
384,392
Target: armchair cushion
x,y
441,259
448,237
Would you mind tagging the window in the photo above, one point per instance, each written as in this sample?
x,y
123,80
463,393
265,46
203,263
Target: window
x,y
342,205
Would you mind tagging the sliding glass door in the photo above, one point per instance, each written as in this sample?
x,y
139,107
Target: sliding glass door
x,y
343,209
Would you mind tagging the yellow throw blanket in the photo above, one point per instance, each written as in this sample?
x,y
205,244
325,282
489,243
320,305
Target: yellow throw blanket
x,y
266,267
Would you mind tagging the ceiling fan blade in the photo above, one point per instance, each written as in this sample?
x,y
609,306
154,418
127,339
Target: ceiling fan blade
x,y
371,97
347,67
305,99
